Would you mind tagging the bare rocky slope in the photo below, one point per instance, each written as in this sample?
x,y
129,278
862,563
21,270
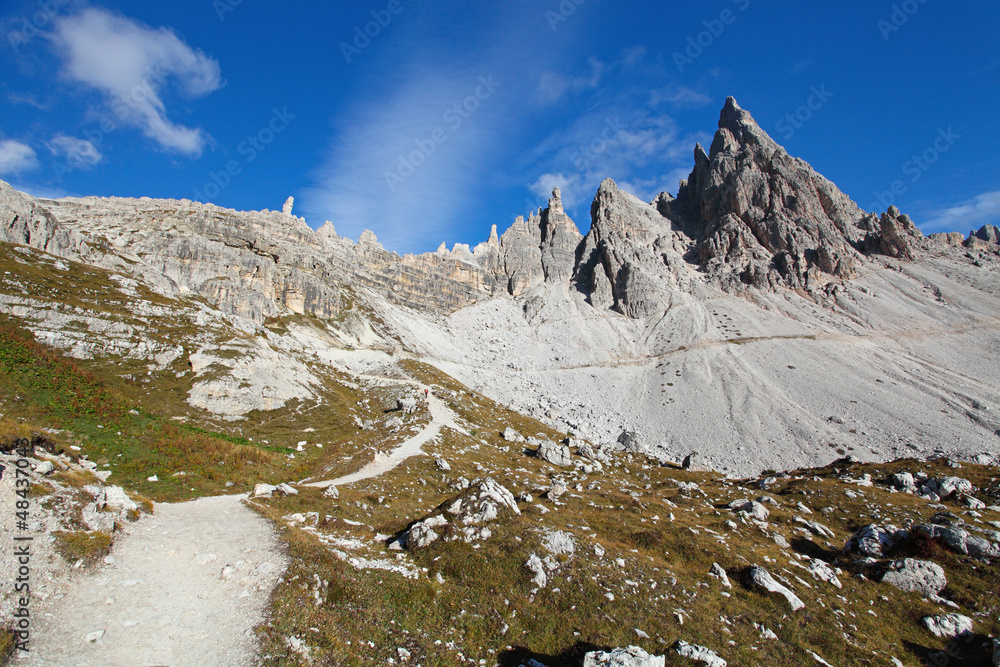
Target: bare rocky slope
x,y
760,318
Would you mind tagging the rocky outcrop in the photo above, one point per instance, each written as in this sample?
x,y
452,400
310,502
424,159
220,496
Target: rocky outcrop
x,y
897,237
763,218
633,257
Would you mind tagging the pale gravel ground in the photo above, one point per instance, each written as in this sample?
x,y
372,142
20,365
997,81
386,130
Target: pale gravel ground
x,y
893,371
164,601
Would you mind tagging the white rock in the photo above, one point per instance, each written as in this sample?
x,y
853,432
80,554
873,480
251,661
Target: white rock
x,y
115,497
286,490
94,637
750,508
535,565
331,492
442,465
763,579
264,490
632,656
699,654
45,468
720,574
154,478
948,626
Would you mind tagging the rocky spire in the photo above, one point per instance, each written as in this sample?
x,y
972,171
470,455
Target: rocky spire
x,y
287,208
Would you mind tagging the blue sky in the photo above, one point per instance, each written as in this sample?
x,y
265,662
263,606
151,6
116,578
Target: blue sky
x,y
448,117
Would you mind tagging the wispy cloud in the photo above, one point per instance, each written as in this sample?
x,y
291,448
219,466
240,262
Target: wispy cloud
x,y
79,153
971,214
16,157
133,65
553,87
404,163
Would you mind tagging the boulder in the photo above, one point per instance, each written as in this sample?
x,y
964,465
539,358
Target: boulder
x,y
331,492
394,423
408,405
917,576
554,453
698,654
264,490
951,485
763,580
632,656
629,440
96,520
948,626
510,435
422,533
45,468
443,465
903,481
116,498
720,574
874,541
996,653
286,490
537,568
750,508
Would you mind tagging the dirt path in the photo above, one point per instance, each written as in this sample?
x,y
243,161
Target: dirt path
x,y
441,416
186,587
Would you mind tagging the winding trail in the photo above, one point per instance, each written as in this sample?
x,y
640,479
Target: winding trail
x,y
186,587
441,416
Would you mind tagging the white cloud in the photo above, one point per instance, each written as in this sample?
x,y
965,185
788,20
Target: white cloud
x,y
679,96
132,64
79,153
16,157
570,186
971,214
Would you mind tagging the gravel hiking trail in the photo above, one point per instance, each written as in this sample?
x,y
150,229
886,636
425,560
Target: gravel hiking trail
x,y
184,587
441,416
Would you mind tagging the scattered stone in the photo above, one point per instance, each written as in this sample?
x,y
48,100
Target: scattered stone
x,y
632,656
762,579
698,654
442,465
422,533
816,528
331,492
948,626
96,520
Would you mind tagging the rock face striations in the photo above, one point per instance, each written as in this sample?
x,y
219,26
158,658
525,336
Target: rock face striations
x,y
749,217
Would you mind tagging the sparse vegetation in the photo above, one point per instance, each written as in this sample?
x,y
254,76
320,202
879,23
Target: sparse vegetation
x,y
86,546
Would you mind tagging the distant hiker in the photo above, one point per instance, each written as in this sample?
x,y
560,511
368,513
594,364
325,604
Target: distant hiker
x,y
426,393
